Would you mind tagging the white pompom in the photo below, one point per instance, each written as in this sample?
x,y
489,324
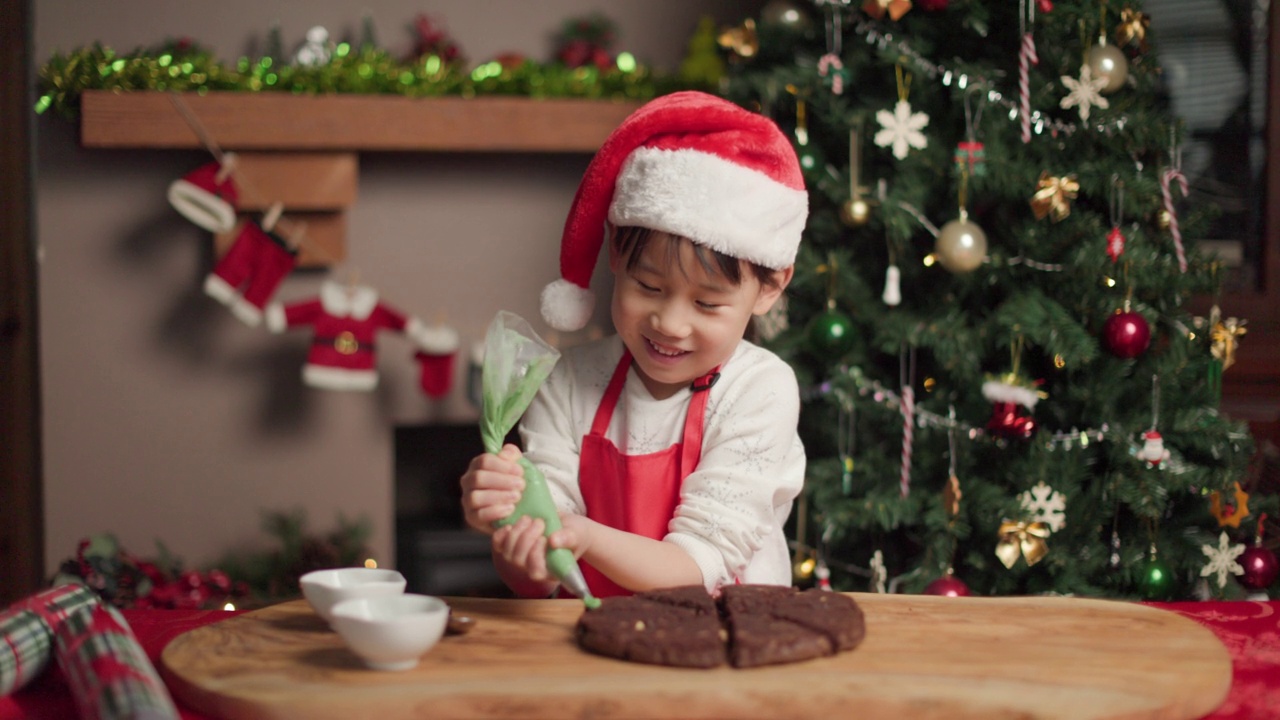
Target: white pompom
x,y
567,307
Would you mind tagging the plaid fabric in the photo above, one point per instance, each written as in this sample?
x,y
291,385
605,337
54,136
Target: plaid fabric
x,y
108,671
26,632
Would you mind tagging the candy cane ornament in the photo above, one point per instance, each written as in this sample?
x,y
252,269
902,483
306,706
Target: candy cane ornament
x,y
1026,58
830,64
908,426
1169,176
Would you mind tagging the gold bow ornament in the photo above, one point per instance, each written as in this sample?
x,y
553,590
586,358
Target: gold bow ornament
x,y
1132,28
895,8
1054,195
1022,539
1225,336
742,40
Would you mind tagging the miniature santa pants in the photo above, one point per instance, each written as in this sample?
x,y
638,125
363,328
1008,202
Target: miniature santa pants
x,y
259,260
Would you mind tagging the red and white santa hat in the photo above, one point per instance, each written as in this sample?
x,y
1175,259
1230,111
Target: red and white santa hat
x,y
207,196
692,165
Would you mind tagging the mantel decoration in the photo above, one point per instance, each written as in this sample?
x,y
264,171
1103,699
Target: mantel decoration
x,y
583,68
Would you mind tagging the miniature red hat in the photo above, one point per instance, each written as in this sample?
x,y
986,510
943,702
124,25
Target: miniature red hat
x,y
207,196
692,165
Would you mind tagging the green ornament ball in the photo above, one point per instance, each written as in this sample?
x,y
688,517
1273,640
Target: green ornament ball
x,y
831,333
1155,580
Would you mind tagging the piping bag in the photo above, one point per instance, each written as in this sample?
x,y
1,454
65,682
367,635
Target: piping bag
x,y
516,362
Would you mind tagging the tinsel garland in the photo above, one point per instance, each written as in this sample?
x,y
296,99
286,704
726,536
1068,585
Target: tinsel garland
x,y
350,70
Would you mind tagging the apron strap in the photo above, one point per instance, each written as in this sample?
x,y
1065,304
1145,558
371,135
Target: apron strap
x,y
691,445
604,411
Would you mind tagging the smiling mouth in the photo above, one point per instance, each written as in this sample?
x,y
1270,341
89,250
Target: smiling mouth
x,y
664,350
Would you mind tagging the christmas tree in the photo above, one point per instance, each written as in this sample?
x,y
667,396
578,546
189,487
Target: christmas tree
x,y
1005,389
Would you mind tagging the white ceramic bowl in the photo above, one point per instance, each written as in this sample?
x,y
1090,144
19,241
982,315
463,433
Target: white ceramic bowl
x,y
391,633
326,588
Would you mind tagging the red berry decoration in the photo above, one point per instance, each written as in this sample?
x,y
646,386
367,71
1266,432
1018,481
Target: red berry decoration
x,y
948,586
1126,334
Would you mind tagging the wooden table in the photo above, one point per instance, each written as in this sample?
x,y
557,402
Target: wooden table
x,y
924,657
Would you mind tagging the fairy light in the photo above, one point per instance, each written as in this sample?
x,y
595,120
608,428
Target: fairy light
x,y
370,563
229,606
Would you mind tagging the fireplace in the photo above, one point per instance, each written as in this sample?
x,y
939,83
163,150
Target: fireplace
x,y
435,550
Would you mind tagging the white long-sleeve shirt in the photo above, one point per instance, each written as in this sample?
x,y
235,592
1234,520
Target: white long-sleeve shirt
x,y
734,504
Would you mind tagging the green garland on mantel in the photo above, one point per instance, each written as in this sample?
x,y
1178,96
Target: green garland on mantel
x,y
189,68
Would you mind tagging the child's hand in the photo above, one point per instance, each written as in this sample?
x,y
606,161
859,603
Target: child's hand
x,y
523,547
574,534
491,487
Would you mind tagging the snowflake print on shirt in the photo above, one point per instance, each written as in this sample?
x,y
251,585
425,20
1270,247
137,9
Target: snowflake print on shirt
x,y
901,129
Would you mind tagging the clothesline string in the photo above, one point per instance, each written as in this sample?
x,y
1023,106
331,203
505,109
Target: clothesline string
x,y
294,230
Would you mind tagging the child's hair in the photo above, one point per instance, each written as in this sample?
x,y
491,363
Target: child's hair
x,y
629,242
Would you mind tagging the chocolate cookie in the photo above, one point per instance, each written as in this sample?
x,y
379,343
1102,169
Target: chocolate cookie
x,y
658,631
750,625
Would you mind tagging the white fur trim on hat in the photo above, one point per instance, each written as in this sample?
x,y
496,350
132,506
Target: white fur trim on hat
x,y
1004,392
567,307
276,321
201,206
720,204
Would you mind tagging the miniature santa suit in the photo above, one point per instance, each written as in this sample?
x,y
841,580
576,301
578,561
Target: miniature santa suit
x,y
345,318
258,261
714,468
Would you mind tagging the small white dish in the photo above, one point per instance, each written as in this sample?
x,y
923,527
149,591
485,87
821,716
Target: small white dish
x,y
391,633
326,588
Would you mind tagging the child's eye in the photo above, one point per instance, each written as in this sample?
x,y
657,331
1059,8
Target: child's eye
x,y
708,305
646,287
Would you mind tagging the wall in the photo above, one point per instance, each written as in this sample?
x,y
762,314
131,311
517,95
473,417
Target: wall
x,y
166,419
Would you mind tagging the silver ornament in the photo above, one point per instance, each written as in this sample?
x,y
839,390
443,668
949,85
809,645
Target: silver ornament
x,y
1108,61
961,245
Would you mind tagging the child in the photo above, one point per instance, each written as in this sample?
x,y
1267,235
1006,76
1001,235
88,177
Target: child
x,y
671,448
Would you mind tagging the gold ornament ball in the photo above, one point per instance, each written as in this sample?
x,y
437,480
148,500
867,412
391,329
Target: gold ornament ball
x,y
855,212
961,246
1108,61
786,14
1163,219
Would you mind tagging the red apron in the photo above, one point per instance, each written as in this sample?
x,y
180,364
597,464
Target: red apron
x,y
636,493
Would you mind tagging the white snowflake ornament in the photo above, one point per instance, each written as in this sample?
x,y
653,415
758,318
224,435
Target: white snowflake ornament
x,y
901,129
1086,93
1222,560
878,572
1045,505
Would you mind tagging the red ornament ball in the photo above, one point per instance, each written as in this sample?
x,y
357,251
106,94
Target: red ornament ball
x,y
1126,334
1260,567
947,586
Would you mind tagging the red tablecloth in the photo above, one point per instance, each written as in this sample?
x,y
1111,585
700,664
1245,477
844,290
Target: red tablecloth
x,y
1249,630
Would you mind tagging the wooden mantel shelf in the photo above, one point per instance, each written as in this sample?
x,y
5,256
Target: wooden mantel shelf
x,y
349,123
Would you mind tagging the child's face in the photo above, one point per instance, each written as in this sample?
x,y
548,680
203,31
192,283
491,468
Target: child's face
x,y
679,320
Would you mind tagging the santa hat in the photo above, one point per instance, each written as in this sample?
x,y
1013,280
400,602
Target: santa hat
x,y
207,196
692,165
